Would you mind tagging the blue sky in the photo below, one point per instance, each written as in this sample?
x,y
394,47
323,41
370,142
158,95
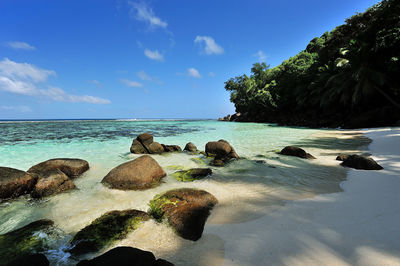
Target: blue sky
x,y
146,59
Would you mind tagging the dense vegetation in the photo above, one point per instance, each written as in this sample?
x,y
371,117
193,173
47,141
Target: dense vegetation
x,y
347,77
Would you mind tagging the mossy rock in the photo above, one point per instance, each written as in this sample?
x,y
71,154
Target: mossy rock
x,y
175,167
105,230
186,210
23,241
192,174
202,161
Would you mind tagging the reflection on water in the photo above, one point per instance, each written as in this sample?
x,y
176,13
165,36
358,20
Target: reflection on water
x,y
246,189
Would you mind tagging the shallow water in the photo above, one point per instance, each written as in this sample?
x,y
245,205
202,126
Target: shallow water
x,y
246,189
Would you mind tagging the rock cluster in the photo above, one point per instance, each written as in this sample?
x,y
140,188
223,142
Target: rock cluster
x,y
144,144
44,179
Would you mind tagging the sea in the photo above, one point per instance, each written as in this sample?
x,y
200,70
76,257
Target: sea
x,y
258,184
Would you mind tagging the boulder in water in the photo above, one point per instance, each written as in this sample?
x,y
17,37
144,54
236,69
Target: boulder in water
x,y
297,152
51,182
361,163
185,209
190,147
107,229
71,167
144,144
192,174
141,173
14,182
222,152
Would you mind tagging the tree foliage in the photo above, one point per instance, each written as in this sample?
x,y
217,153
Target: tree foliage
x,y
350,70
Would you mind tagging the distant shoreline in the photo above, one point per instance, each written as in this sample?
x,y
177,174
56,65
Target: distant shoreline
x,y
103,119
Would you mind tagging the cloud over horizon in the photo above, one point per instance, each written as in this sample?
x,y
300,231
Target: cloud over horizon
x,y
20,46
24,79
210,46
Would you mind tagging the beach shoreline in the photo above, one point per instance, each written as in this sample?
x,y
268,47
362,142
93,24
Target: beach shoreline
x,y
354,227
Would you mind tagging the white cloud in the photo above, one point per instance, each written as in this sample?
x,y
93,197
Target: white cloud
x,y
211,74
20,46
24,78
194,73
154,55
97,83
261,56
144,76
210,46
132,84
142,12
20,108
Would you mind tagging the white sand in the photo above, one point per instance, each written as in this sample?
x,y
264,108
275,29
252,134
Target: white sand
x,y
359,226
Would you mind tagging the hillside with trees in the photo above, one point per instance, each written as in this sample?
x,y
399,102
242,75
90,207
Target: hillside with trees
x,y
349,77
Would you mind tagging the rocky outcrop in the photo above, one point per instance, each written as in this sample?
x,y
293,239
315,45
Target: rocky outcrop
x,y
14,182
71,167
144,144
222,152
192,174
297,152
360,162
17,244
125,256
106,229
190,147
141,173
186,210
52,182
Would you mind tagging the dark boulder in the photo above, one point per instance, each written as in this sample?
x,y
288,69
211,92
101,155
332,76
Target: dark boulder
x,y
185,209
52,182
222,152
141,173
190,147
138,148
192,174
361,163
71,167
106,229
124,256
171,148
30,260
14,182
296,151
23,241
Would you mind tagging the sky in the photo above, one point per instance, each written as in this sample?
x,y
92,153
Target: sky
x,y
146,59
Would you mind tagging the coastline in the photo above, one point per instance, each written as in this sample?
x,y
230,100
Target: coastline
x,y
353,227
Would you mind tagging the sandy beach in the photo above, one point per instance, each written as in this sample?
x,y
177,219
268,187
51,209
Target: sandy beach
x,y
358,226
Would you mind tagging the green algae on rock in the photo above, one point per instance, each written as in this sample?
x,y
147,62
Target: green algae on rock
x,y
192,174
107,229
186,210
23,241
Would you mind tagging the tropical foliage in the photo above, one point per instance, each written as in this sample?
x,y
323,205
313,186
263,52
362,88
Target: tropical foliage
x,y
349,71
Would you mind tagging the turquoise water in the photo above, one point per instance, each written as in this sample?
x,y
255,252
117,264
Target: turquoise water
x,y
246,189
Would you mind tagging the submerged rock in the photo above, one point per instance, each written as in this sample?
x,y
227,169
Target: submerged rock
x,y
361,163
222,152
125,256
30,260
342,157
106,229
71,167
190,147
185,209
144,144
192,174
52,182
141,173
16,244
14,182
297,152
